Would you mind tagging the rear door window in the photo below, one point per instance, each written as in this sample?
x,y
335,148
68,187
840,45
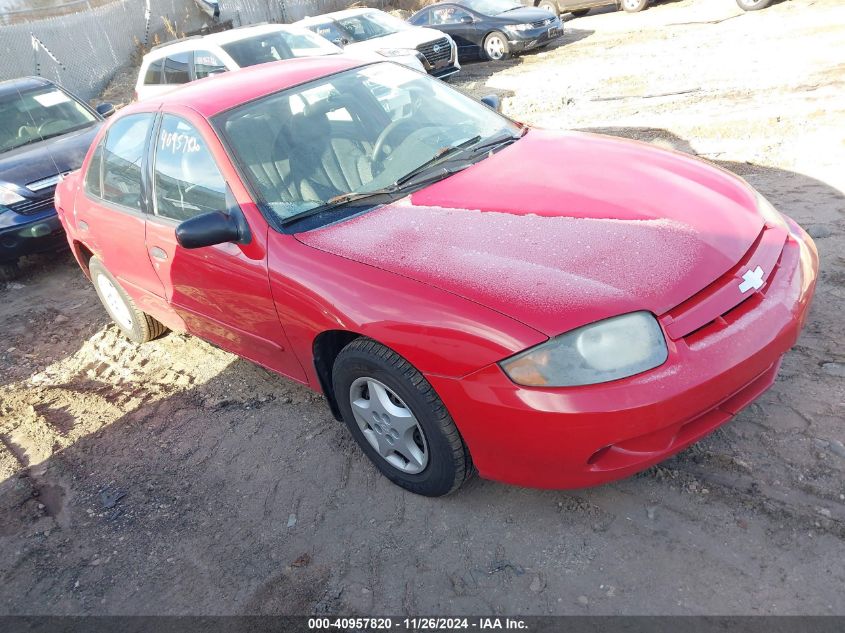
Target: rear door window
x,y
187,180
153,76
177,68
206,64
123,156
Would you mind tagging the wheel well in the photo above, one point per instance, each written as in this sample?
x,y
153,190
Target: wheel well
x,y
83,255
326,347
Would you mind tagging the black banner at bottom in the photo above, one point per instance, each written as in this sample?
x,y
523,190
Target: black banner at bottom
x,y
533,624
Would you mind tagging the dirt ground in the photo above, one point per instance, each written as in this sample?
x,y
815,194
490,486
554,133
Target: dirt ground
x,y
175,478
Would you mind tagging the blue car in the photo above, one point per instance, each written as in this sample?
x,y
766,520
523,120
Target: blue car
x,y
45,132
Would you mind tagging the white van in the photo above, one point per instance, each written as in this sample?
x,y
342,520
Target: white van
x,y
170,65
370,30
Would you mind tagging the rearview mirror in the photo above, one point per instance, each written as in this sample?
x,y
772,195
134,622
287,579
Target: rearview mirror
x,y
492,101
340,41
466,19
105,110
213,228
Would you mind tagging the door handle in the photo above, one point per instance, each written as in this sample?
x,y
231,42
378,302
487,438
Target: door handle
x,y
158,253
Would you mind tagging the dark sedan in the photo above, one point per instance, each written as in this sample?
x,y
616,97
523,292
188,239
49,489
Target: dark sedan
x,y
493,29
44,132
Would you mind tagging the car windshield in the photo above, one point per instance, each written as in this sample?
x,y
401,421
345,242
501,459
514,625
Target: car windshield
x,y
33,115
352,133
271,47
491,7
366,26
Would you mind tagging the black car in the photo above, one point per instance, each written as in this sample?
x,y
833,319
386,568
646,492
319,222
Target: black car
x,y
491,28
44,132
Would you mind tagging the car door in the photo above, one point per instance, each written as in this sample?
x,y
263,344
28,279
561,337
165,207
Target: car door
x,y
109,209
460,24
221,292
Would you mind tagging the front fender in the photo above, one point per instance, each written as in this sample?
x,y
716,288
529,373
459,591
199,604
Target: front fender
x,y
438,332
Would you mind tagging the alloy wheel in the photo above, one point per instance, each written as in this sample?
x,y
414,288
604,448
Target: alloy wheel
x,y
495,47
632,5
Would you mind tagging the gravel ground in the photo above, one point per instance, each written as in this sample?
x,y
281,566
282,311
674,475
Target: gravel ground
x,y
175,478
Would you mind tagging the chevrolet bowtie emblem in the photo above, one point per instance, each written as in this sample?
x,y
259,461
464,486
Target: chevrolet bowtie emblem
x,y
751,279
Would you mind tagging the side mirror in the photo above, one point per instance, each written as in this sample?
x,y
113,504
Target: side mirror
x,y
213,228
105,109
466,19
492,102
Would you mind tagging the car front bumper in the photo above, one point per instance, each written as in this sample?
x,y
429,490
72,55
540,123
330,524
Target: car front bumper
x,y
519,42
26,235
583,436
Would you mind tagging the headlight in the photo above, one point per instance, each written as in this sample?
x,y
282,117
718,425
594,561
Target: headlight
x,y
770,214
396,52
518,28
606,350
7,197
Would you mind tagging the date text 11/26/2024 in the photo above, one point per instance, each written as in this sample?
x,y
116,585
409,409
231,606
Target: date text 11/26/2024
x,y
417,624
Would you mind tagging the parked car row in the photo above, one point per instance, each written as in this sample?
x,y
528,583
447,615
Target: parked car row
x,y
376,32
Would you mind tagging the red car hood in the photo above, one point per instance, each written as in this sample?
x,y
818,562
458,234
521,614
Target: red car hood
x,y
562,229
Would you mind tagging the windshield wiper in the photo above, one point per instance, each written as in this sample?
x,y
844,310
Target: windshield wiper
x,y
396,187
390,190
340,201
499,140
442,153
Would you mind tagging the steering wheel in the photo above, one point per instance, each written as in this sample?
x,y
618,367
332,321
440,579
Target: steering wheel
x,y
24,131
45,129
381,141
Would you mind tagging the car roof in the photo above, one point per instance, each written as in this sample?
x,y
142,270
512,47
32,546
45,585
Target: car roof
x,y
218,39
335,15
23,83
218,93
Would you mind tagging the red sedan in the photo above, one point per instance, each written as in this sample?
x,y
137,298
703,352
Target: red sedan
x,y
552,309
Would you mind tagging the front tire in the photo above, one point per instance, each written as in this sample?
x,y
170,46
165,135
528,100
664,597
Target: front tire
x,y
137,326
398,420
634,6
496,46
753,5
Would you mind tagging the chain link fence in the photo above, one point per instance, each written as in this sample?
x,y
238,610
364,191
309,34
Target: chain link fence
x,y
82,49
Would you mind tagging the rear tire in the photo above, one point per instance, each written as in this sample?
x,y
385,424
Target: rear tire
x,y
496,47
398,420
634,6
549,5
753,5
137,326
